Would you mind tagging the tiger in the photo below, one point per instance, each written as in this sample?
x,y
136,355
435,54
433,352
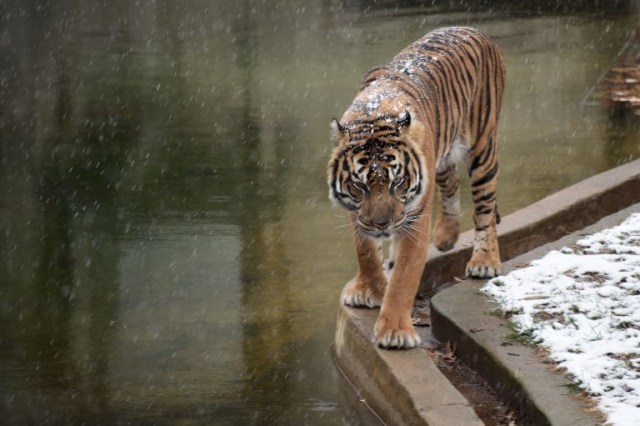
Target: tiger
x,y
436,104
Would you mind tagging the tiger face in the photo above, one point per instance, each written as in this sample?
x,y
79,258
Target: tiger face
x,y
376,173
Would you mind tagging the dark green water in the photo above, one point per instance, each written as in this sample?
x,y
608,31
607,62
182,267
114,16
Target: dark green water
x,y
168,251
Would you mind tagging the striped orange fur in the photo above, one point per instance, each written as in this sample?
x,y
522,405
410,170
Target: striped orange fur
x,y
437,102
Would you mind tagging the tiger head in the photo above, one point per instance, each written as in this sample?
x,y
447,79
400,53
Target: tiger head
x,y
376,172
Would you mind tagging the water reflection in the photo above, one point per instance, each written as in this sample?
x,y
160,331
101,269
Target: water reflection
x,y
168,250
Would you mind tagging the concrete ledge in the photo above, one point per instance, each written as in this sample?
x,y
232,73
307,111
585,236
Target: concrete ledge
x,y
402,387
406,387
460,314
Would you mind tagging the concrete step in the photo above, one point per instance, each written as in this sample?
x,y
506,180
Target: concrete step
x,y
519,373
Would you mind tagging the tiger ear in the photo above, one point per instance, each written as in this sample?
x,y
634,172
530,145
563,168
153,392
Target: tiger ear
x,y
404,119
338,131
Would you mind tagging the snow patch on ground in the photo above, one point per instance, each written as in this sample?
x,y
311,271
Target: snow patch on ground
x,y
582,304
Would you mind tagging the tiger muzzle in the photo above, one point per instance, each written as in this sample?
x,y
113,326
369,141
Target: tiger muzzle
x,y
380,215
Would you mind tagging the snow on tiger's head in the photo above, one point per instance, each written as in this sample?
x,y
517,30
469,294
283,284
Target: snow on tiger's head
x,y
376,172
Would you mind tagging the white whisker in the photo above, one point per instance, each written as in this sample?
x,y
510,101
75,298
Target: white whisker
x,y
406,232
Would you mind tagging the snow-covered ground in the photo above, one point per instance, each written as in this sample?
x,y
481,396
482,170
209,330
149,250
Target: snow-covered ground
x,y
582,304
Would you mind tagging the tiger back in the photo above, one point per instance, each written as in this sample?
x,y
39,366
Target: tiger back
x,y
435,104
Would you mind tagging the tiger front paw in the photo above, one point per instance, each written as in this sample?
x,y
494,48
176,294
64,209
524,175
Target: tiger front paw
x,y
358,294
484,266
394,333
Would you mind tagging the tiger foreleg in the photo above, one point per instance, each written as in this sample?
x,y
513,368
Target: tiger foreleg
x,y
367,288
485,259
394,328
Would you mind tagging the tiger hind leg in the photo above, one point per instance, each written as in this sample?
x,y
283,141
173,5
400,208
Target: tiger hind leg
x,y
483,171
447,227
